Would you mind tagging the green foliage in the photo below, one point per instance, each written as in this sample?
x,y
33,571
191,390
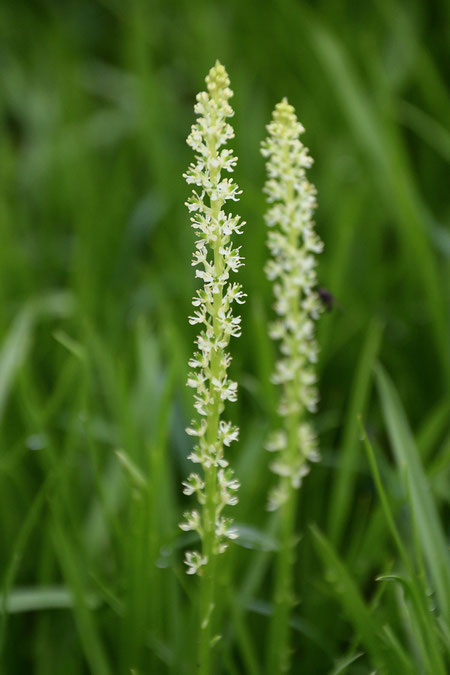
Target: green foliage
x,y
95,290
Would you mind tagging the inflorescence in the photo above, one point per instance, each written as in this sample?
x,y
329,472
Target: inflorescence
x,y
293,245
215,258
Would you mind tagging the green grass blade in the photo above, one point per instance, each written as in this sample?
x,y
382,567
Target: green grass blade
x,y
359,614
348,460
389,516
13,352
434,426
422,620
87,626
16,555
41,598
422,502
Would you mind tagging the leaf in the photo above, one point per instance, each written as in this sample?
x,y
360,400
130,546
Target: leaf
x,y
71,568
132,470
254,538
420,497
343,664
14,351
36,599
343,486
349,596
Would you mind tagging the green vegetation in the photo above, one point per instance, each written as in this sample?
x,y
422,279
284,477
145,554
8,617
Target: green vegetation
x,y
95,290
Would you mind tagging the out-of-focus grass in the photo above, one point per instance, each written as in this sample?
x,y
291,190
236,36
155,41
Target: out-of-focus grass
x,y
95,285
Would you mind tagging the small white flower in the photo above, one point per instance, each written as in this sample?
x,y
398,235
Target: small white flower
x,y
195,562
277,441
192,521
193,484
228,433
198,317
197,428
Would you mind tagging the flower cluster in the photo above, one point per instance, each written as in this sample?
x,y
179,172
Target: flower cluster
x,y
215,258
293,245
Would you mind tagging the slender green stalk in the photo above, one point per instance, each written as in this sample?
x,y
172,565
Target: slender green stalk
x,y
284,598
293,244
216,487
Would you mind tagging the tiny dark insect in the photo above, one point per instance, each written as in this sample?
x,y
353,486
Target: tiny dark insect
x,y
328,299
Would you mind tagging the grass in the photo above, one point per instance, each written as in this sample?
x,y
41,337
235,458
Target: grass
x,y
95,289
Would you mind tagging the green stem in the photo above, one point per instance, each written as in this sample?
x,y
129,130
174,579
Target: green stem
x,y
284,598
279,654
208,581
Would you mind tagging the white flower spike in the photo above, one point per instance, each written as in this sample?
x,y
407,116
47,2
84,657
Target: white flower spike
x,y
215,260
293,245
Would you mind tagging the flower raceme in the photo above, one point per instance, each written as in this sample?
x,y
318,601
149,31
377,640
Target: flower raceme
x,y
215,259
293,245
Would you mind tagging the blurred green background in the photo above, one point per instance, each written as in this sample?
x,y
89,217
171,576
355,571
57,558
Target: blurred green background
x,y
95,288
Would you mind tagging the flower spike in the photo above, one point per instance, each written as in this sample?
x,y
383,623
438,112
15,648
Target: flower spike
x,y
293,245
215,259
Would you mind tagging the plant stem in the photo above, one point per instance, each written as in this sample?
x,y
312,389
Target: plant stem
x,y
208,580
284,598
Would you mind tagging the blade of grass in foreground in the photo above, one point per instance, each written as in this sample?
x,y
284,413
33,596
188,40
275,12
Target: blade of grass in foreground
x,y
366,625
87,628
16,344
433,428
344,483
17,552
422,503
419,616
39,598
